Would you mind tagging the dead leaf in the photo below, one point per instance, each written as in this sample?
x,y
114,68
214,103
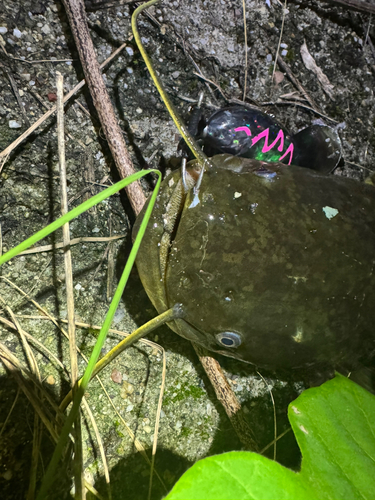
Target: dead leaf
x,y
310,64
294,96
278,77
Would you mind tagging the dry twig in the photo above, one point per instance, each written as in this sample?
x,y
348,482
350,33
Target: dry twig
x,y
360,5
280,37
227,398
78,452
245,42
75,10
295,82
74,241
16,94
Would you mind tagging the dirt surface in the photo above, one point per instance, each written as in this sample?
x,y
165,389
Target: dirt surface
x,y
37,43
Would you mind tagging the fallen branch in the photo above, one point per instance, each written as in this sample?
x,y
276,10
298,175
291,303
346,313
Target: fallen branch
x,y
75,10
356,5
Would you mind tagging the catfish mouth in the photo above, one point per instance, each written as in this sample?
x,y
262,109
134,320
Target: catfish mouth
x,y
193,170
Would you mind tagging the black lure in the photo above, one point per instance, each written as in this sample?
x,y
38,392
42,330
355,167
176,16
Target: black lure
x,y
249,133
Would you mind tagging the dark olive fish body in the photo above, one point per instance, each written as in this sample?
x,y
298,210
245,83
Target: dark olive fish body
x,y
273,266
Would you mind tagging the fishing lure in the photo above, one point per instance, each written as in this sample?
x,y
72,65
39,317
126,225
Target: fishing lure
x,y
250,133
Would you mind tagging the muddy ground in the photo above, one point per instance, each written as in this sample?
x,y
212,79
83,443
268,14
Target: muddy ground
x,y
37,43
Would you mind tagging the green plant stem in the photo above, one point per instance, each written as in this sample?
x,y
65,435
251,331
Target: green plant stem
x,y
182,128
78,394
169,315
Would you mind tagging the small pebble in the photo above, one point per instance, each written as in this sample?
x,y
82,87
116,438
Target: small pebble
x,y
130,51
116,376
46,29
17,33
3,30
7,475
50,380
127,388
14,124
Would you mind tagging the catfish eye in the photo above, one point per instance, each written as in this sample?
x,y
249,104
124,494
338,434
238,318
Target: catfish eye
x,y
228,339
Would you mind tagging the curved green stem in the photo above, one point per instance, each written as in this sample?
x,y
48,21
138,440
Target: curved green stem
x,y
189,139
175,312
81,388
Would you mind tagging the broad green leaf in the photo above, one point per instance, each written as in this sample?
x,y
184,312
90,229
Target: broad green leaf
x,y
239,475
334,427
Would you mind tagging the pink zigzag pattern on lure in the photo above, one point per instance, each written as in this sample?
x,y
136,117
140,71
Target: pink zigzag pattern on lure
x,y
266,147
